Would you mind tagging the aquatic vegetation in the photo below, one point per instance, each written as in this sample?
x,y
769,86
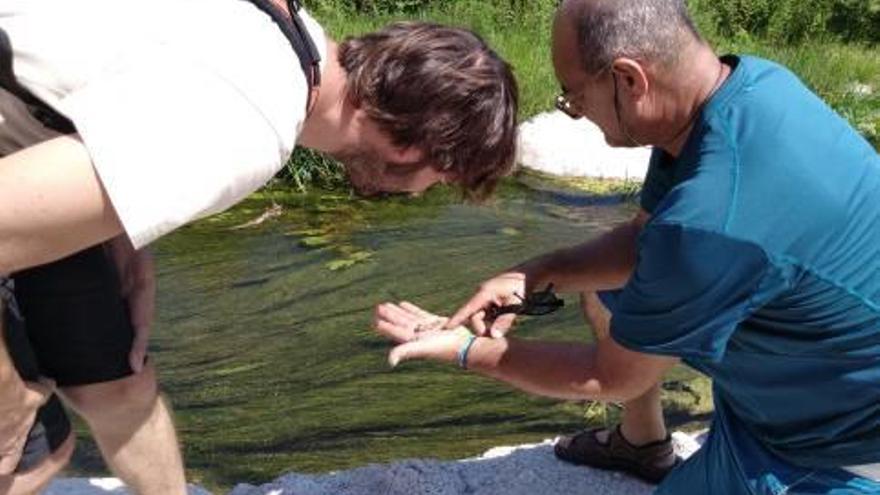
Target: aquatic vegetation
x,y
267,354
350,259
315,241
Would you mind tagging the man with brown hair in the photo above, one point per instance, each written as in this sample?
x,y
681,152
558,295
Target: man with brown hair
x,y
118,129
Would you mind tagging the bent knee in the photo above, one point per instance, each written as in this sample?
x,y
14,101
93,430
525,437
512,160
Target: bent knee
x,y
132,395
34,480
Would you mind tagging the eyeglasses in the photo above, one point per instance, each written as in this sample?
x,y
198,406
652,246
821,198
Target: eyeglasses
x,y
566,102
565,105
535,304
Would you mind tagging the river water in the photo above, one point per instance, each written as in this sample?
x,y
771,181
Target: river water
x,y
263,337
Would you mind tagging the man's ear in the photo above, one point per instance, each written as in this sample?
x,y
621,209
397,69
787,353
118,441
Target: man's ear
x,y
631,76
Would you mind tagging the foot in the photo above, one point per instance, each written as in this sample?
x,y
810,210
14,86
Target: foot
x,y
608,449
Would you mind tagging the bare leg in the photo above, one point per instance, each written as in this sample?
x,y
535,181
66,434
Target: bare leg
x,y
34,481
133,428
642,418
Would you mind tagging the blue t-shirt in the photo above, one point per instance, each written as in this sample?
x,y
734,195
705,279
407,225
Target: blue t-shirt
x,y
760,266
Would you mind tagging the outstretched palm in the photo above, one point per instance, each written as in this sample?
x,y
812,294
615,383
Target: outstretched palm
x,y
420,334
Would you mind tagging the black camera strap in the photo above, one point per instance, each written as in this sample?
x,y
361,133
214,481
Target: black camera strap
x,y
47,115
295,31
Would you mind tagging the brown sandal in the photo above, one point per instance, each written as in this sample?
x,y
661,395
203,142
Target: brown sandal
x,y
650,462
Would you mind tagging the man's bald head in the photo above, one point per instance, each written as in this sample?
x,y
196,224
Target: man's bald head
x,y
653,31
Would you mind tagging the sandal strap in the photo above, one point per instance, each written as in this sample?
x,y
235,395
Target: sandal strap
x,y
651,461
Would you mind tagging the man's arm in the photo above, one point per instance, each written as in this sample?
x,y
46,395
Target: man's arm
x,y
604,371
599,264
52,205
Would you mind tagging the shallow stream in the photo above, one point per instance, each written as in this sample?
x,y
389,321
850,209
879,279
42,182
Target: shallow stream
x,y
263,338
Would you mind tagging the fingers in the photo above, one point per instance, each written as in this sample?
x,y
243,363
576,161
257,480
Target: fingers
x,y
10,455
402,321
496,329
388,322
419,349
506,288
138,286
396,333
412,308
405,351
138,355
142,306
502,325
35,395
439,345
398,313
478,323
477,304
428,321
394,314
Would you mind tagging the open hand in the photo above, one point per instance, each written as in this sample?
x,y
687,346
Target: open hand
x,y
420,334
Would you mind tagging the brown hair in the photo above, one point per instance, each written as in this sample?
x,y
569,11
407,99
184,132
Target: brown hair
x,y
441,90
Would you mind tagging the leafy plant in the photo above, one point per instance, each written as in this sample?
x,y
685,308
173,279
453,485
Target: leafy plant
x,y
307,168
793,21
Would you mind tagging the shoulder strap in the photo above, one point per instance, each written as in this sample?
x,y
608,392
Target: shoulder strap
x,y
47,115
295,31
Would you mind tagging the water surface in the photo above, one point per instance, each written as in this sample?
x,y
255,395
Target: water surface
x,y
263,337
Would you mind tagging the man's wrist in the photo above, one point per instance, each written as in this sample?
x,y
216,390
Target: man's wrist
x,y
534,272
485,353
464,349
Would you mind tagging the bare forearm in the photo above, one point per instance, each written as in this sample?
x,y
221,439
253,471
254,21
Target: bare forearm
x,y
560,370
600,264
53,205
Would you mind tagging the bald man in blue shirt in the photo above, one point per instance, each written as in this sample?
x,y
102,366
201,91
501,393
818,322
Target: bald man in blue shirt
x,y
755,259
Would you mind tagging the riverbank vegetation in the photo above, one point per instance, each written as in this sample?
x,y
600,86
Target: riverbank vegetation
x,y
834,45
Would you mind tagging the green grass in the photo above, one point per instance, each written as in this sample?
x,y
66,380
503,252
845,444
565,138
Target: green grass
x,y
307,169
835,70
521,37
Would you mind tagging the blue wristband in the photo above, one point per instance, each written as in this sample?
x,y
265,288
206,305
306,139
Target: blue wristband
x,y
464,349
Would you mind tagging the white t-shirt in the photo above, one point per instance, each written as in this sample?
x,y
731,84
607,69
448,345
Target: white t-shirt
x,y
185,106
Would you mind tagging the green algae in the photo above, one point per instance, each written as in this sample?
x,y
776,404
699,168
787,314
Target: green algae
x,y
267,353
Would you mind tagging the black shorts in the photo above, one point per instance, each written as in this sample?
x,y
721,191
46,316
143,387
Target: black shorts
x,y
76,330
